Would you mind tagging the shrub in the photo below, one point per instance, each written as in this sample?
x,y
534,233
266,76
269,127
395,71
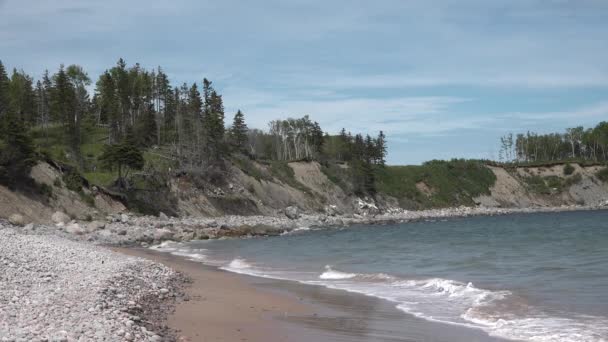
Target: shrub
x,y
576,178
73,180
603,175
568,169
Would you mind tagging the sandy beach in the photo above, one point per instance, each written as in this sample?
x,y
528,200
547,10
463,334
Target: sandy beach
x,y
220,306
224,306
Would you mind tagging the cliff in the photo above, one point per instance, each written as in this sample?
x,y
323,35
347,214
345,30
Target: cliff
x,y
255,188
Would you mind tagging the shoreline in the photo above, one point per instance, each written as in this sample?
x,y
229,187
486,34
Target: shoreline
x,y
220,306
226,306
129,230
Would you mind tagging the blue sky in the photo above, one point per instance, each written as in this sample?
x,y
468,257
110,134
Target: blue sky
x,y
443,79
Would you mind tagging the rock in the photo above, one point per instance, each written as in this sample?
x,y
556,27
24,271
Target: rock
x,y
60,217
162,234
163,216
292,212
95,226
331,210
29,226
74,228
124,218
16,219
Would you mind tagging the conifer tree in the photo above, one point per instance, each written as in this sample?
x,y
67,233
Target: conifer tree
x,y
381,149
125,156
238,132
4,97
16,151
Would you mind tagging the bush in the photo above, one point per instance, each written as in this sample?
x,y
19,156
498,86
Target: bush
x,y
73,180
455,182
568,169
603,175
576,178
16,152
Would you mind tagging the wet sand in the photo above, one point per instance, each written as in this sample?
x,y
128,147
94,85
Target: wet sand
x,y
224,306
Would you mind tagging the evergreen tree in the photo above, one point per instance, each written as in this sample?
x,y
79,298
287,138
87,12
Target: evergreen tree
x,y
21,95
317,138
238,132
16,151
381,149
125,156
4,91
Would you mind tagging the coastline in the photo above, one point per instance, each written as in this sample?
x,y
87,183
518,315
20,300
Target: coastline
x,y
130,230
220,306
226,306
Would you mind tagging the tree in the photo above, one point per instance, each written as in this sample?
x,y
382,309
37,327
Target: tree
x,y
21,97
16,151
124,156
238,132
381,149
4,97
79,81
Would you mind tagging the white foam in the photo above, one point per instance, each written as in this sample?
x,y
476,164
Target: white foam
x,y
239,264
436,299
330,274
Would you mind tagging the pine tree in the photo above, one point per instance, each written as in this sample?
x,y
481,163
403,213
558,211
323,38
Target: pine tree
x,y
21,95
381,149
4,91
125,156
16,151
238,132
317,138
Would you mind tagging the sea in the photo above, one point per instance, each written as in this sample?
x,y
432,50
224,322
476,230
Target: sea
x,y
524,277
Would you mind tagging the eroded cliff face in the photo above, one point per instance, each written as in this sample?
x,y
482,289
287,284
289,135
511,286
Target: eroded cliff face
x,y
261,191
521,187
310,190
38,208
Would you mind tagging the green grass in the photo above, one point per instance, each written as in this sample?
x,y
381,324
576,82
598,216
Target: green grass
x,y
453,183
100,178
249,168
337,175
602,175
282,171
550,184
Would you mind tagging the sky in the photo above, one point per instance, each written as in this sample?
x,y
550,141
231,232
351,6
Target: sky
x,y
443,79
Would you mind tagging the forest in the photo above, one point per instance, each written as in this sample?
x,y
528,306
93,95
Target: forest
x,y
574,144
135,120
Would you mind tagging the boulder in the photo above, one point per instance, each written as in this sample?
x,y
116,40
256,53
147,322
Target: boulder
x,y
162,234
124,218
163,216
74,228
16,219
95,226
292,212
331,210
60,217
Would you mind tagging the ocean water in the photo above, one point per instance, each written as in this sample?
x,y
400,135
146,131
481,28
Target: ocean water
x,y
533,277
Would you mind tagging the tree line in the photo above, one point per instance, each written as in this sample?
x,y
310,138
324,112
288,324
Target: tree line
x,y
575,143
141,110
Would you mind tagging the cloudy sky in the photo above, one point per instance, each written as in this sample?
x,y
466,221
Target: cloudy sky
x,y
443,79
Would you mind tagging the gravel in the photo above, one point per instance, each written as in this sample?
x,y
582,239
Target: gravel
x,y
54,289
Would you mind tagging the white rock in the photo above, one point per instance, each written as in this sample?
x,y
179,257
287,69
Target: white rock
x,y
95,226
60,217
16,219
162,234
292,212
74,228
124,218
